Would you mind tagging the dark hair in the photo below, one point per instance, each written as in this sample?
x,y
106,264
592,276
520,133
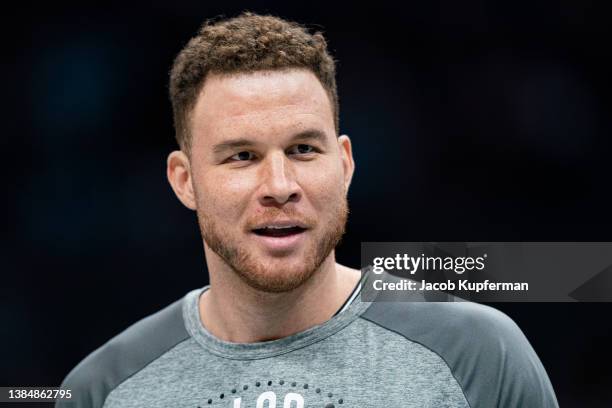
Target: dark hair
x,y
243,44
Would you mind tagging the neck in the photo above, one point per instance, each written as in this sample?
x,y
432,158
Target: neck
x,y
235,312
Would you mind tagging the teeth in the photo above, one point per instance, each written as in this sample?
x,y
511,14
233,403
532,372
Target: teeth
x,y
274,227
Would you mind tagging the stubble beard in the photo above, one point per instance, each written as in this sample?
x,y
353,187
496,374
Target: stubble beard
x,y
260,275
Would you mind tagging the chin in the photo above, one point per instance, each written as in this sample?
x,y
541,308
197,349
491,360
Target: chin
x,y
277,276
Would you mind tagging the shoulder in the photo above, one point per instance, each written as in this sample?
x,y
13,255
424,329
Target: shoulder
x,y
442,326
124,355
485,350
461,319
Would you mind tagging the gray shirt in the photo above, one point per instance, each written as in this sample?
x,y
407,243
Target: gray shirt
x,y
381,354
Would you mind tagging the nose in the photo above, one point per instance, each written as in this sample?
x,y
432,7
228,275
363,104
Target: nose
x,y
279,184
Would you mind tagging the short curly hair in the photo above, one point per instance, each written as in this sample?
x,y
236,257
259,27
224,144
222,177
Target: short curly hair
x,y
243,44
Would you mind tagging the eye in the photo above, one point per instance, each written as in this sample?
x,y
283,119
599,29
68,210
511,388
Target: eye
x,y
302,149
243,156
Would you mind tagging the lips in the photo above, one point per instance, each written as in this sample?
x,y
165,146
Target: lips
x,y
274,231
279,228
280,237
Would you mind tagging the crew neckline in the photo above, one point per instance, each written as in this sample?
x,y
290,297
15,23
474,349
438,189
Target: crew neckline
x,y
265,349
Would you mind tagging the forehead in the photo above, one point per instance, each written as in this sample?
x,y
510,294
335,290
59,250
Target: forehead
x,y
262,101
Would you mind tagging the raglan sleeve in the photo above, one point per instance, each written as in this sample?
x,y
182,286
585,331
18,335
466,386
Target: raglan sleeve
x,y
85,383
101,372
501,368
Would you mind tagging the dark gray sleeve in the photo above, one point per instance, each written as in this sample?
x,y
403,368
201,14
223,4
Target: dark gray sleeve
x,y
485,350
124,355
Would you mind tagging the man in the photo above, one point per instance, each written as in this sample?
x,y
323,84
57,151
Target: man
x,y
281,324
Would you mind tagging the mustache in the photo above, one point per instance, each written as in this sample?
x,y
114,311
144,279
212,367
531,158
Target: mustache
x,y
270,215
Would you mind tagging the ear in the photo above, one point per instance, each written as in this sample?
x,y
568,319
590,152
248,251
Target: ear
x,y
346,155
178,172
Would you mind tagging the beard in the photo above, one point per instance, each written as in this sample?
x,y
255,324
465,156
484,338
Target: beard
x,y
275,275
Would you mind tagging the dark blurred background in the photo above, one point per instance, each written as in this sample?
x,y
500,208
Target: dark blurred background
x,y
471,121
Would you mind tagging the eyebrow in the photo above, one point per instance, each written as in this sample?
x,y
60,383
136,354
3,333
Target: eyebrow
x,y
308,134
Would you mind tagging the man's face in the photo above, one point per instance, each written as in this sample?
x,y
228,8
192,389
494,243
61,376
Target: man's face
x,y
269,175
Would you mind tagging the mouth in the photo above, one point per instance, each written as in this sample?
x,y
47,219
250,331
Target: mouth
x,y
278,231
280,237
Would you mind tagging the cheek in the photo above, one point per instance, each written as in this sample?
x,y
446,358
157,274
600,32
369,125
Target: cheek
x,y
324,186
222,196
